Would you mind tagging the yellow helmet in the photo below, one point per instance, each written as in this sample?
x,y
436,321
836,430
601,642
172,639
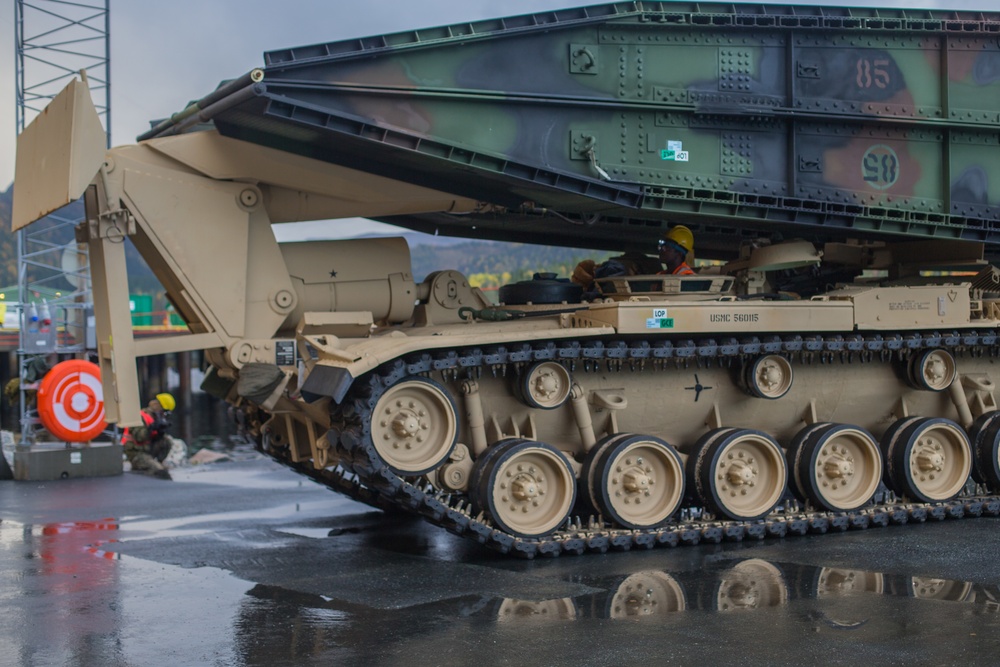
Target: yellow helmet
x,y
682,236
167,402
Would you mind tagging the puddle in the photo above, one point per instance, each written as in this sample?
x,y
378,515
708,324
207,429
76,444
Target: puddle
x,y
231,474
138,528
745,586
74,600
79,602
320,533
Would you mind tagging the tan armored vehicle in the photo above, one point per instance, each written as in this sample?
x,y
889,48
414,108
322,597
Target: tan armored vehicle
x,y
841,381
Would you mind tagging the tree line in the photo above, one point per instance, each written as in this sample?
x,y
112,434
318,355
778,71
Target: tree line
x,y
493,264
487,264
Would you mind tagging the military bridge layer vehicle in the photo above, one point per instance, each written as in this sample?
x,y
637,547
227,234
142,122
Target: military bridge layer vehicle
x,y
837,371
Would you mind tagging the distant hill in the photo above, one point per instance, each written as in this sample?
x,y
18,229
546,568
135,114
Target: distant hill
x,y
141,279
486,263
8,243
415,239
492,263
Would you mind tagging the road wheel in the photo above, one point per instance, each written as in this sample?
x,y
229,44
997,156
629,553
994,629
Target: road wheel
x,y
545,385
769,376
414,426
985,436
837,467
933,370
527,487
638,481
739,473
589,492
930,459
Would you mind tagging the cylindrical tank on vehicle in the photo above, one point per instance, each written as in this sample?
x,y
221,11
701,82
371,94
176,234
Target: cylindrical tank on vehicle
x,y
353,275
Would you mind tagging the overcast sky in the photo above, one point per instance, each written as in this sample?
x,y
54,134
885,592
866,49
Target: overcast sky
x,y
165,54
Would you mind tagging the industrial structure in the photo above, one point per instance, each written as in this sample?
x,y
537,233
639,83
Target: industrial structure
x,y
54,42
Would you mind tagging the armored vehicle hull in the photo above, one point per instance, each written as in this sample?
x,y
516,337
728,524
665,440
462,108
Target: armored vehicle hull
x,y
571,435
842,381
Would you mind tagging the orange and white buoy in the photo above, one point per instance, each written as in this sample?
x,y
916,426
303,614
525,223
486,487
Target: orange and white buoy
x,y
71,401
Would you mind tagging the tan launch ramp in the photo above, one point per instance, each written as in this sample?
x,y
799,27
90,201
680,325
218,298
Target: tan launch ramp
x,y
58,155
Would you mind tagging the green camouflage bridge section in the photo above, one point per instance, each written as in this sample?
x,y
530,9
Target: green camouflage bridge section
x,y
739,120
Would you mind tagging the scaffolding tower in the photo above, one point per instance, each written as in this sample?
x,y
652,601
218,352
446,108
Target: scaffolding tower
x,y
55,40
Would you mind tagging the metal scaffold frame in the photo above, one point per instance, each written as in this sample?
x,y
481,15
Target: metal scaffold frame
x,y
55,40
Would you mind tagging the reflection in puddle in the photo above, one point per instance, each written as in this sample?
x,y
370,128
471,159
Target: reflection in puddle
x,y
835,582
747,585
517,611
78,602
105,606
645,594
927,588
751,584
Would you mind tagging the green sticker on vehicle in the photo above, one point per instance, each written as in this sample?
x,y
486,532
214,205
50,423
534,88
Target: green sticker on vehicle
x,y
674,152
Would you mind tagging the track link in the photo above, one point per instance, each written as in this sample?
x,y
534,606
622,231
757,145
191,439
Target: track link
x,y
362,476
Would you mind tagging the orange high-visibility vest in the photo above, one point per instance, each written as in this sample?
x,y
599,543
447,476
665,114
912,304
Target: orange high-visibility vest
x,y
683,270
146,418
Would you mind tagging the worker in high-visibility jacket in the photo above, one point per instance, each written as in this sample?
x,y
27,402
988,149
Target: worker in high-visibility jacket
x,y
676,248
147,446
676,254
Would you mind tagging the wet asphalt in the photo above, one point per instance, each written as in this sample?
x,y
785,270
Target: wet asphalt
x,y
245,563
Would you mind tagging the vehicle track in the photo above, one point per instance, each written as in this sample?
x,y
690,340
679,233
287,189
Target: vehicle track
x,y
361,474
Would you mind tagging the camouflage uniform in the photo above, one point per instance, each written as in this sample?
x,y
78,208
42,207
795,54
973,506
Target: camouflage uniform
x,y
628,264
147,445
138,451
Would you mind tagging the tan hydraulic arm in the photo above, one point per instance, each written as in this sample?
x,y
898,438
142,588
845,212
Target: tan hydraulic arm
x,y
199,208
